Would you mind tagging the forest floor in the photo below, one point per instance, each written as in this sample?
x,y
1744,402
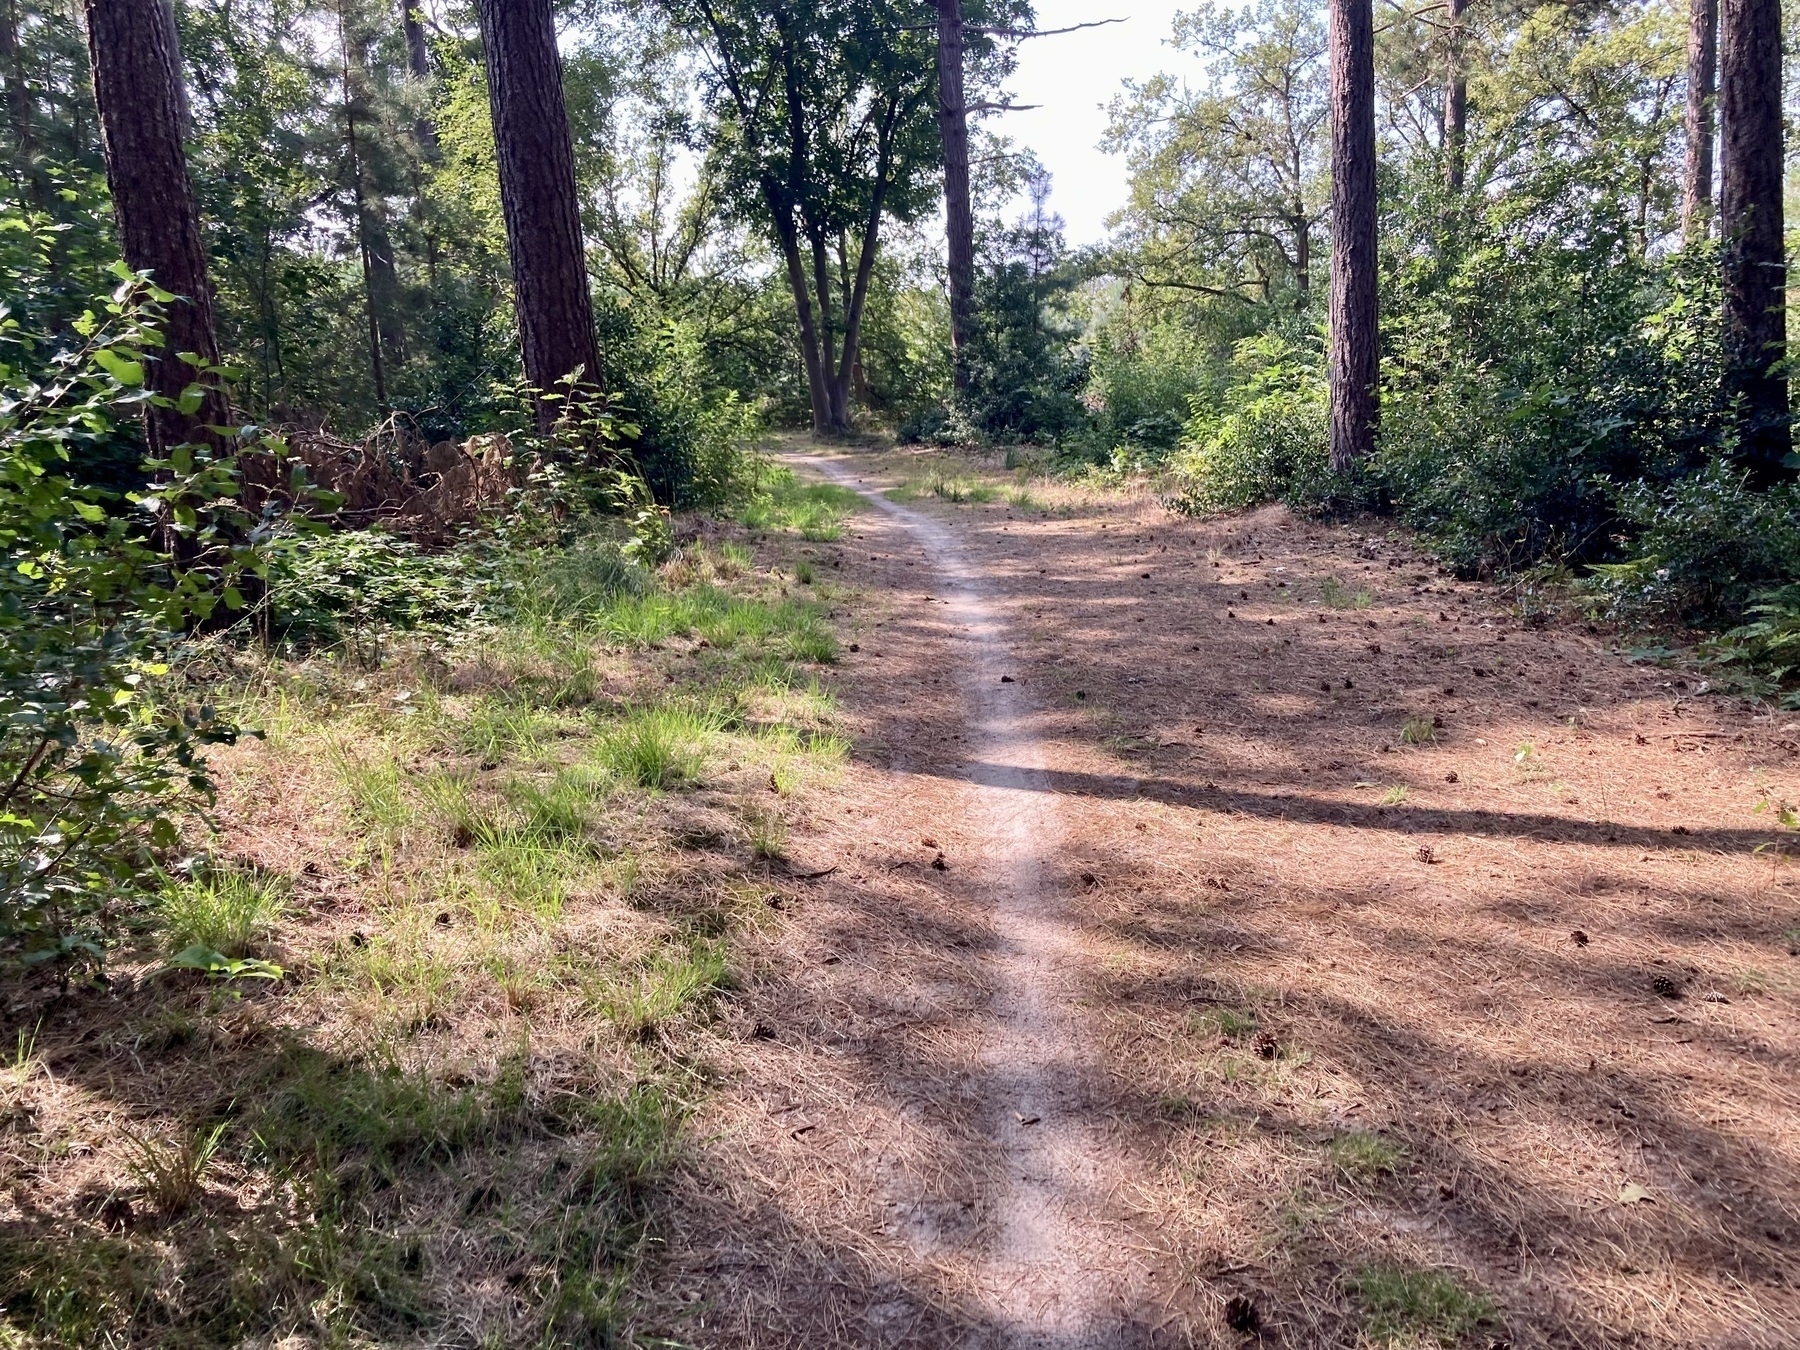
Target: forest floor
x,y
1117,930
1242,928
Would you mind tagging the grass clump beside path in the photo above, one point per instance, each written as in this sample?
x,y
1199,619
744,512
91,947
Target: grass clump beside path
x,y
499,874
814,511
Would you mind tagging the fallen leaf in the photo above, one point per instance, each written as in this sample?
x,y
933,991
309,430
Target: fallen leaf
x,y
1633,1194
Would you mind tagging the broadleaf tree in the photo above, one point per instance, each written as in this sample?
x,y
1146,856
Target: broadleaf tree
x,y
824,126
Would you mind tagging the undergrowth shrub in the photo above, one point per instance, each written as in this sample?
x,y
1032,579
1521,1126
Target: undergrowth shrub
x,y
1142,387
1702,547
1266,441
101,751
1769,644
355,585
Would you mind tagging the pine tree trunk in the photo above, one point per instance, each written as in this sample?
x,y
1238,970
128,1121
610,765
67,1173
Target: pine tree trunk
x,y
1750,226
136,61
1355,334
1702,76
19,111
375,251
1302,229
1456,102
959,213
418,65
538,198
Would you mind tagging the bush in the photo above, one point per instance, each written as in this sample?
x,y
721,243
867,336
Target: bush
x,y
1769,645
1704,546
693,435
355,585
1267,442
1143,385
100,754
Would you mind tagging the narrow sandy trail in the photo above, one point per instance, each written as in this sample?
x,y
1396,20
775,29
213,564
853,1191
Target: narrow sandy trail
x,y
1050,1276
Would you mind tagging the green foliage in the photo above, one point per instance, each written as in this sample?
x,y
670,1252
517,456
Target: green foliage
x,y
1409,1306
225,910
1024,372
101,753
1267,441
1703,546
1769,644
815,511
1144,380
355,585
694,431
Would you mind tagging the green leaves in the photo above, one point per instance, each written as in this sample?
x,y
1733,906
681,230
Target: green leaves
x,y
101,756
126,371
209,962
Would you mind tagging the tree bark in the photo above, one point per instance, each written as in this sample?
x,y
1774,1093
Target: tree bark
x,y
19,111
959,212
1456,102
1702,77
781,212
1750,224
1355,333
539,200
418,65
136,60
1302,229
381,282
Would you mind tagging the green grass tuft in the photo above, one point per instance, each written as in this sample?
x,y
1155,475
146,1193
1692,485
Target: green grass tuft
x,y
658,747
1361,1156
1339,596
1407,1307
662,988
815,511
231,911
1419,731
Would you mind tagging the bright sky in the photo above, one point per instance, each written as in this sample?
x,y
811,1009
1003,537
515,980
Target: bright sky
x,y
1073,77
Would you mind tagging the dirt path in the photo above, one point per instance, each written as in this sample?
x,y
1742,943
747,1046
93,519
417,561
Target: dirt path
x,y
1051,1276
1325,952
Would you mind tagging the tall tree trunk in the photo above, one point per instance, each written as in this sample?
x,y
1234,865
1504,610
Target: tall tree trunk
x,y
1750,225
1302,229
136,62
379,280
1456,101
418,65
19,112
539,199
1355,332
959,213
1702,78
788,233
857,294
